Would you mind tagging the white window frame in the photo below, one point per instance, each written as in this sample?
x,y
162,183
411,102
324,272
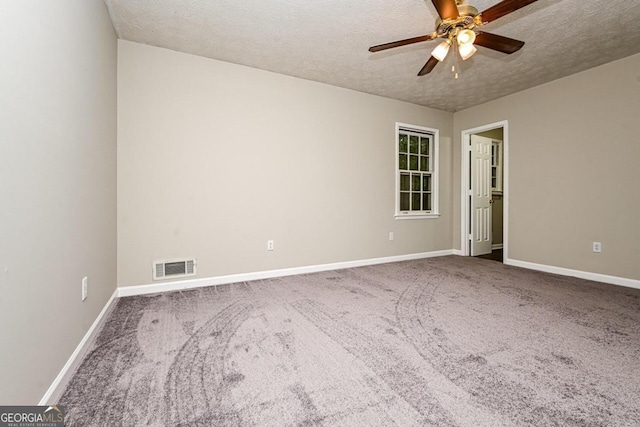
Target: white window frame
x,y
434,160
497,144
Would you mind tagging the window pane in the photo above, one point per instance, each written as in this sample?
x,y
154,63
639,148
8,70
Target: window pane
x,y
426,183
404,201
426,198
424,146
403,143
413,163
402,164
413,144
415,201
424,163
416,190
415,182
404,182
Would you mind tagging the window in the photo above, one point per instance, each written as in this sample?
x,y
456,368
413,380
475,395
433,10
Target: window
x,y
416,172
496,166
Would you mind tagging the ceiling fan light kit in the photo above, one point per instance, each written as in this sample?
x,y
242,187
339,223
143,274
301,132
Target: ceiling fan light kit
x,y
466,37
460,23
466,51
440,52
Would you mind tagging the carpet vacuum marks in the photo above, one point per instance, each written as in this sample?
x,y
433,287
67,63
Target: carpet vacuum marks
x,y
449,341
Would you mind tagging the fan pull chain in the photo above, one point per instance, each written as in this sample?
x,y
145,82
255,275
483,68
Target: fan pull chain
x,y
457,61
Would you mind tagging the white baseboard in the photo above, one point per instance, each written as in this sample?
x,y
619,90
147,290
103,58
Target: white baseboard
x,y
77,351
596,277
233,278
125,291
243,277
497,246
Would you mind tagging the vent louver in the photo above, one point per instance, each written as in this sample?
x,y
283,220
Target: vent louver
x,y
169,269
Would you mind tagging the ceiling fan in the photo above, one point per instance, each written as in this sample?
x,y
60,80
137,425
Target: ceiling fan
x,y
459,24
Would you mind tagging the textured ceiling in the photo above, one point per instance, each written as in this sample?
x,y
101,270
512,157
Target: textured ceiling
x,y
327,41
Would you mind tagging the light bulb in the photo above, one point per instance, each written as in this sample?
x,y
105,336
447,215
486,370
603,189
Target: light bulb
x,y
466,50
440,52
466,37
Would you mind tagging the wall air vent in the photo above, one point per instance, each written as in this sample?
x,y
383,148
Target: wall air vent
x,y
173,268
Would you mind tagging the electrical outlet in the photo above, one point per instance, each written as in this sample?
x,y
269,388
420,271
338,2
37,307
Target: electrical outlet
x,y
269,245
597,247
85,288
391,235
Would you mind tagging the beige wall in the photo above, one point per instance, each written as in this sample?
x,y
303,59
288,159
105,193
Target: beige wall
x,y
214,159
493,134
496,219
573,169
57,185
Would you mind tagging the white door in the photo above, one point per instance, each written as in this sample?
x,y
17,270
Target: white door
x,y
480,195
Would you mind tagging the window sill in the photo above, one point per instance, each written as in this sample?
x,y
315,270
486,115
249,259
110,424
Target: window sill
x,y
418,216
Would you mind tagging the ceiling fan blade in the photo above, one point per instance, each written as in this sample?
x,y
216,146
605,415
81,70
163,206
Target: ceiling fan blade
x,y
503,8
401,43
432,62
499,43
447,9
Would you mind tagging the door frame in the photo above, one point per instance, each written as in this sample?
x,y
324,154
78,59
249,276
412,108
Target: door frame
x,y
465,211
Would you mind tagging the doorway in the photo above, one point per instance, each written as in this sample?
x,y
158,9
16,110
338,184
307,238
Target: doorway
x,y
484,227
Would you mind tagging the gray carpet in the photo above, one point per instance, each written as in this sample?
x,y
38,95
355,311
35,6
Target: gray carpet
x,y
449,341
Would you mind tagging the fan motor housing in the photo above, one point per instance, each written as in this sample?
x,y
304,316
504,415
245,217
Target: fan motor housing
x,y
465,20
467,10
